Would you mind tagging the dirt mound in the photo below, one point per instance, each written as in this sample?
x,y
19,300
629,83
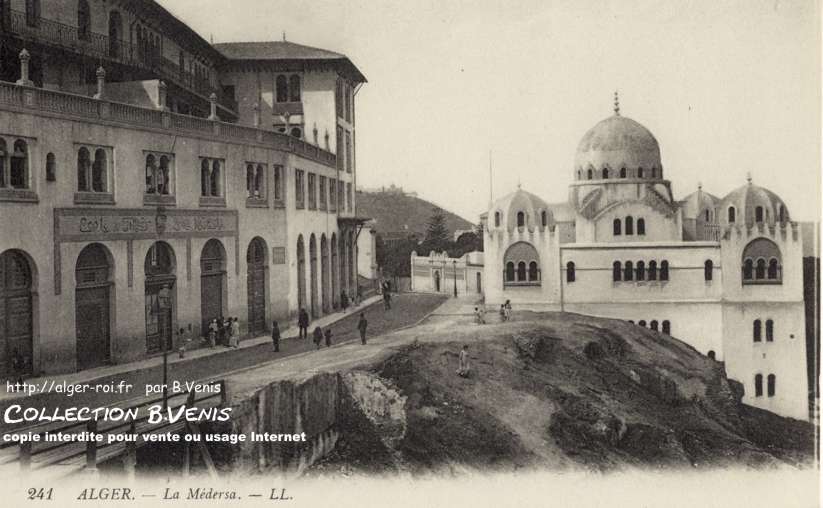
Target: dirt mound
x,y
563,391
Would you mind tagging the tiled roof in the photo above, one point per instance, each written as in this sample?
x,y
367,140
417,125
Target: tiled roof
x,y
289,53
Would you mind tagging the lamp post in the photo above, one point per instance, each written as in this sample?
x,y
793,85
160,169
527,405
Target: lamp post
x,y
163,303
454,265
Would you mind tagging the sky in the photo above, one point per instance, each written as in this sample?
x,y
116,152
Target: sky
x,y
727,88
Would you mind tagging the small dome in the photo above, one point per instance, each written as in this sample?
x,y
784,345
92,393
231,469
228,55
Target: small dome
x,y
753,204
504,211
615,144
697,203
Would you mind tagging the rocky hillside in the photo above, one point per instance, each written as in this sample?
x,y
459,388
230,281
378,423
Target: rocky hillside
x,y
554,391
396,212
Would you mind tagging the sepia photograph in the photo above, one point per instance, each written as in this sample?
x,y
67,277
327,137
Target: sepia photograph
x,y
371,253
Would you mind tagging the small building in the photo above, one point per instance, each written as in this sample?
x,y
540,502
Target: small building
x,y
439,273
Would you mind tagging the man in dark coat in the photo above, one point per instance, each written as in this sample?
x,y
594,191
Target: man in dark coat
x,y
361,326
303,323
318,336
275,336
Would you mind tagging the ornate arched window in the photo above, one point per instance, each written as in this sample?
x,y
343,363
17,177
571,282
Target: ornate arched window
x,y
521,219
769,330
617,271
652,270
756,270
204,177
628,271
641,226
151,174
510,271
570,275
760,269
758,214
250,180
98,171
617,227
544,218
708,269
521,271
771,382
774,269
758,385
629,225
653,325
748,269
19,177
605,173
534,272
497,219
732,214
83,170
215,179
757,335
640,271
664,270
521,261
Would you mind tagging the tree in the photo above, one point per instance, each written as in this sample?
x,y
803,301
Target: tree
x,y
467,242
437,234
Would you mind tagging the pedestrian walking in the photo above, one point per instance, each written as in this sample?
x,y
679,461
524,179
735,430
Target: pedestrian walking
x,y
213,332
463,359
361,326
235,334
502,312
317,336
344,300
327,336
478,316
275,336
303,323
387,300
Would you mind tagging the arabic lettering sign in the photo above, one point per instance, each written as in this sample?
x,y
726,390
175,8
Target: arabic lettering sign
x,y
77,224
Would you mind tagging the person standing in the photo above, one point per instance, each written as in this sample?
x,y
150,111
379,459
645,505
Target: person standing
x,y
213,332
361,326
344,300
463,367
235,333
327,335
317,336
303,323
275,336
508,310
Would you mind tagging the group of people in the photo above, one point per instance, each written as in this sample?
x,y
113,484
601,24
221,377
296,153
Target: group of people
x,y
506,311
224,331
318,335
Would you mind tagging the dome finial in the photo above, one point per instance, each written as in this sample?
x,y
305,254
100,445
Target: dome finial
x,y
616,104
749,177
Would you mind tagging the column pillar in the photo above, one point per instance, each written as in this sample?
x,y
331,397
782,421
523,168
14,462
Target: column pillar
x,y
101,82
24,69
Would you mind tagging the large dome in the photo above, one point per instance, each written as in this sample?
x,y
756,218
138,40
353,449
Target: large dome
x,y
622,147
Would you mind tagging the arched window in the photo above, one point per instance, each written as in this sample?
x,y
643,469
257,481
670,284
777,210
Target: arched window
x,y
760,269
151,174
654,172
664,270
605,173
521,271
164,176
570,275
711,354
589,174
622,172
534,273
51,168
617,271
629,226
707,215
731,215
521,219
98,171
642,323
773,269
769,330
639,172
83,170
756,331
260,182
510,271
628,271
758,385
544,218
781,214
19,178
708,269
294,88
748,269
205,178
250,180
215,178
497,219
758,214
641,226
771,381
83,20
282,89
667,327
652,270
653,325
640,271
617,227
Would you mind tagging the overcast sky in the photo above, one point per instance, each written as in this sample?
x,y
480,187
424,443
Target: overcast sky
x,y
726,87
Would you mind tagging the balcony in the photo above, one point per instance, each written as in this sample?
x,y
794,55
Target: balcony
x,y
38,100
103,48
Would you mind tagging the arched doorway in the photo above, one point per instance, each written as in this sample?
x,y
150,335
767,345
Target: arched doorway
x,y
313,275
16,314
160,270
256,277
324,273
334,271
212,283
92,304
301,273
437,281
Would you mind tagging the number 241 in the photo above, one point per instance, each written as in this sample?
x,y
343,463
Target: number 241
x,y
40,494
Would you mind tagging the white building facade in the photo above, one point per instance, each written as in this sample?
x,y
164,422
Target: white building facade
x,y
723,275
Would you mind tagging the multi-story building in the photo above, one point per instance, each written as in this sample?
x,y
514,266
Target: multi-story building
x,y
724,275
151,182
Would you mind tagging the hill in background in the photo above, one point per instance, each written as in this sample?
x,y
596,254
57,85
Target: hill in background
x,y
395,211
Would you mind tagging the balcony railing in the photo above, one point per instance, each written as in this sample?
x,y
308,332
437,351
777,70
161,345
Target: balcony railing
x,y
102,47
86,108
